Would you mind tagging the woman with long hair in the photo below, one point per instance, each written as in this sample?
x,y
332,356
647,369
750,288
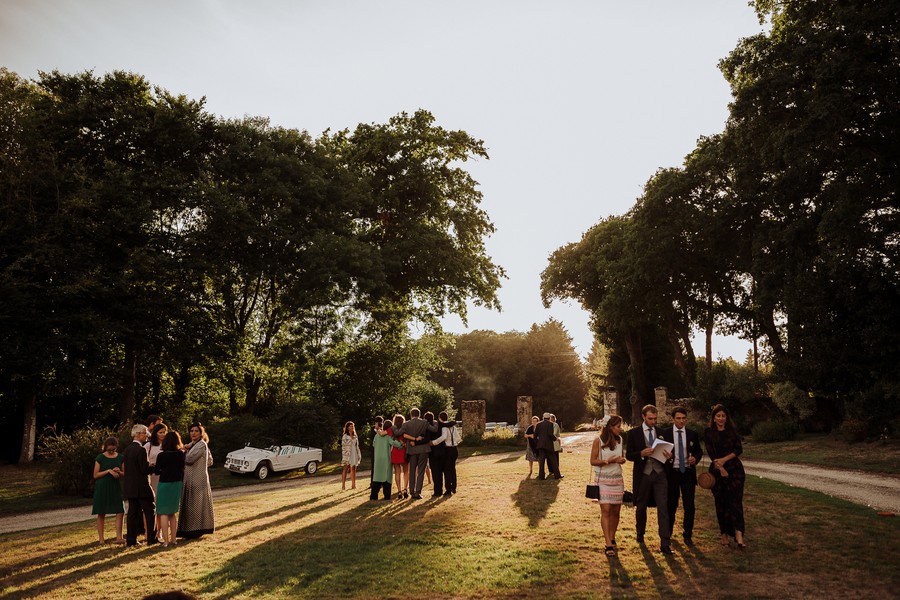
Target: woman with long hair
x,y
398,459
153,448
607,457
723,446
350,455
107,489
170,472
197,517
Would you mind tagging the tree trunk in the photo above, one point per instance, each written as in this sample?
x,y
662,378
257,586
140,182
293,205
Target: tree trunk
x,y
252,383
129,375
182,381
232,398
29,430
709,336
636,358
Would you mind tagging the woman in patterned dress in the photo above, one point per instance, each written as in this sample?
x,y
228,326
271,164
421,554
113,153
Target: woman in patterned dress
x,y
196,517
107,489
607,457
350,455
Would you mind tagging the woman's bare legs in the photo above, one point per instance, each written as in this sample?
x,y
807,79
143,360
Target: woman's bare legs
x,y
353,478
101,521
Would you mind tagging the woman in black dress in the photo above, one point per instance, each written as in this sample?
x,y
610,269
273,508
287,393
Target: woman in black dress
x,y
723,446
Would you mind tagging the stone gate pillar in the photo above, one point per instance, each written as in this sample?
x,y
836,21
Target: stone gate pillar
x,y
661,400
524,412
610,402
473,416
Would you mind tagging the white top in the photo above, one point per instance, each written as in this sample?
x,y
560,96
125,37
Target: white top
x,y
612,469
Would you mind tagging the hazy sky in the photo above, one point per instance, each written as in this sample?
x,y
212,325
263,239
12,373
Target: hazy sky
x,y
578,102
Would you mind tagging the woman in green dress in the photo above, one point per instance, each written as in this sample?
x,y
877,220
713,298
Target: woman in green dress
x,y
107,489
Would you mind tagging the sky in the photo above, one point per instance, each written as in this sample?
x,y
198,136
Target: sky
x,y
578,102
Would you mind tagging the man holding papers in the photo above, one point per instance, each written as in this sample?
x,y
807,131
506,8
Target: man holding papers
x,y
649,454
681,471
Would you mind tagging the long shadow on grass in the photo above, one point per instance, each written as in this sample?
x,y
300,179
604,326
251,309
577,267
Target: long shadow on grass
x,y
82,566
619,579
656,571
288,514
280,509
534,497
376,549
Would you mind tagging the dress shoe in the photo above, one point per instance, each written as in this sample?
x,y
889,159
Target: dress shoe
x,y
448,493
560,476
666,550
436,495
135,544
541,478
688,540
640,539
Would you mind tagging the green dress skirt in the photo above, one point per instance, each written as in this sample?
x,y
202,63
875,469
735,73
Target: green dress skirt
x,y
108,489
168,497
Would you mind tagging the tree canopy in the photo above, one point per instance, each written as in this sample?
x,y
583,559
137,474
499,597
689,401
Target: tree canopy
x,y
154,257
783,227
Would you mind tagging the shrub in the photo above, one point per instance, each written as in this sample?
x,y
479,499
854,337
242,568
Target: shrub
x,y
791,400
71,458
308,422
774,431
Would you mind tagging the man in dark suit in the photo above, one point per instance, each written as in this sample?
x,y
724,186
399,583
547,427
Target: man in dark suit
x,y
544,438
136,485
681,470
417,451
649,477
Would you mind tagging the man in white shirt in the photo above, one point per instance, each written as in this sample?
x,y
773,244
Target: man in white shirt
x,y
681,470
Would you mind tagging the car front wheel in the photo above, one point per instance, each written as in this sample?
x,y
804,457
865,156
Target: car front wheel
x,y
262,471
311,467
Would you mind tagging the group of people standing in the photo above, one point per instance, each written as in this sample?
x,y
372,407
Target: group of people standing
x,y
543,445
661,483
161,478
407,449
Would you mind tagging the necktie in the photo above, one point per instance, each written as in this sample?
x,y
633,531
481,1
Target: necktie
x,y
650,435
680,451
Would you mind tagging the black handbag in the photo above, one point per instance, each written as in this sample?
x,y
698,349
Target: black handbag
x,y
592,492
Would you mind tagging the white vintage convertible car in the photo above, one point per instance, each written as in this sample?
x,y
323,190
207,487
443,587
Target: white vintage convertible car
x,y
264,461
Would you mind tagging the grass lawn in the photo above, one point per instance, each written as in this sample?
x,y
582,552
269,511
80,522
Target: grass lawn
x,y
818,449
501,536
27,488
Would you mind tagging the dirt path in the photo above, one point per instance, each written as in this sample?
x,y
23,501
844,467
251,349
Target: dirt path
x,y
880,492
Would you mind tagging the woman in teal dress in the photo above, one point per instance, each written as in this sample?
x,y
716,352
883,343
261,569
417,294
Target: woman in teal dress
x,y
107,489
170,469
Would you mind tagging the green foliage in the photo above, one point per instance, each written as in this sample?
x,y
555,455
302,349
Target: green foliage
x,y
792,400
156,258
782,228
873,413
730,383
499,367
780,430
71,457
305,422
